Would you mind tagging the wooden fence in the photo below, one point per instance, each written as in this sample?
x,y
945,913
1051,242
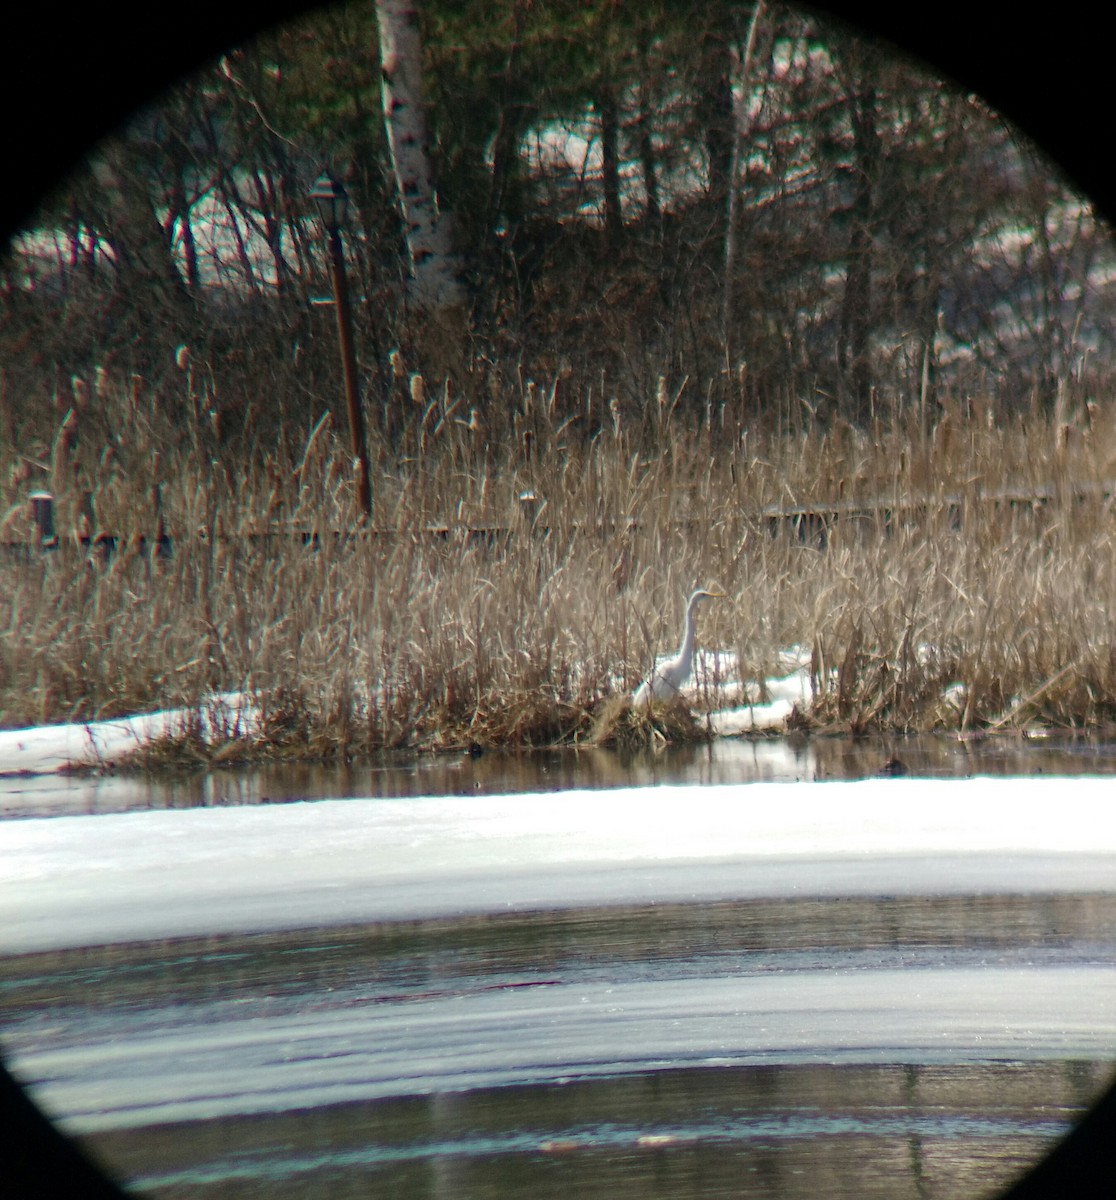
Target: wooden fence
x,y
811,524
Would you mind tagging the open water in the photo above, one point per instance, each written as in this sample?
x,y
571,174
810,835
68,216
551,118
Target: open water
x,y
716,973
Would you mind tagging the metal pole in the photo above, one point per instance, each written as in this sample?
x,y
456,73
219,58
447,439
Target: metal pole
x,y
349,367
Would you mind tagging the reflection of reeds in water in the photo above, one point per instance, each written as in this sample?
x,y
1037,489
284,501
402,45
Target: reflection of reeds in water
x,y
510,589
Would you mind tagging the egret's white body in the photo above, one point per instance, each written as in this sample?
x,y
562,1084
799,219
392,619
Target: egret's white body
x,y
668,677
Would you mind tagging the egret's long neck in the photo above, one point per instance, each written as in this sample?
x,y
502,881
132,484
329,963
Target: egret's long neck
x,y
686,650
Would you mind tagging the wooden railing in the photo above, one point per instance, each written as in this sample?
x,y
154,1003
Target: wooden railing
x,y
808,523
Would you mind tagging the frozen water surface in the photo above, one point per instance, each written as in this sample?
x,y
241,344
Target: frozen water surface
x,y
81,881
910,980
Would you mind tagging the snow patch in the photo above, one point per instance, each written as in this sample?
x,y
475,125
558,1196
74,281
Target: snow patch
x,y
49,749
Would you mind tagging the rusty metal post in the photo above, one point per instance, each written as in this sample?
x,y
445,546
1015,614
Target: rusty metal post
x,y
332,202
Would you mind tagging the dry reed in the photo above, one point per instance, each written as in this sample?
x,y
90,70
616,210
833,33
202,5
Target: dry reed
x,y
519,578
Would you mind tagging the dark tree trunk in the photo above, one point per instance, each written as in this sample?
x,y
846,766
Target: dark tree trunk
x,y
854,346
714,110
609,113
647,159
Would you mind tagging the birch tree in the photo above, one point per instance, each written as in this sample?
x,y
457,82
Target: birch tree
x,y
434,284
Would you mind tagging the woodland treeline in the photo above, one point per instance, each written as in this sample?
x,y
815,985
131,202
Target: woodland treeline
x,y
717,204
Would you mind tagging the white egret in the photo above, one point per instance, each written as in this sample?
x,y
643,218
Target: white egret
x,y
668,677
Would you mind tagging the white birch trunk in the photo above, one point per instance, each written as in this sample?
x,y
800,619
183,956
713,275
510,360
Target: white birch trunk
x,y
435,283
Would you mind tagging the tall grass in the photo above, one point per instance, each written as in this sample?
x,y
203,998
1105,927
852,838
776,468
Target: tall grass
x,y
519,575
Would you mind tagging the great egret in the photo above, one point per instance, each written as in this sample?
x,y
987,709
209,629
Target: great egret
x,y
668,677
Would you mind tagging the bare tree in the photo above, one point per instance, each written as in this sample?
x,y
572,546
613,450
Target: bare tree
x,y
739,106
858,68
141,245
608,114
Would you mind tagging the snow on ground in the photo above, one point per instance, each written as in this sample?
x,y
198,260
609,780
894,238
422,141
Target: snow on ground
x,y
737,711
48,749
80,880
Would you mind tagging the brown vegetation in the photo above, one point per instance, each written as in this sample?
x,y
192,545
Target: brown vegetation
x,y
513,586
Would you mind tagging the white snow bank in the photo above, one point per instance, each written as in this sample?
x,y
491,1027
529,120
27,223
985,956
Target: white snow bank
x,y
783,696
86,880
48,749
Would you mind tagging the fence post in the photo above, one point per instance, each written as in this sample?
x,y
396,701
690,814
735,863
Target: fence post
x,y
42,514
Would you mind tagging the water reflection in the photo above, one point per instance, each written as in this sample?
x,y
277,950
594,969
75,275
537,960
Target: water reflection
x,y
727,760
361,1060
409,959
778,1131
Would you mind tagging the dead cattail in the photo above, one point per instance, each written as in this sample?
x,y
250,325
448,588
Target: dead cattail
x,y
85,524
943,437
61,457
80,390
